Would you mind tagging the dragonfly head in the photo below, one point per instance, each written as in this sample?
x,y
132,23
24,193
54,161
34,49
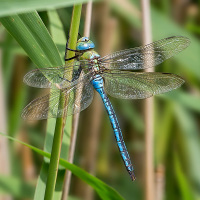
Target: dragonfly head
x,y
84,44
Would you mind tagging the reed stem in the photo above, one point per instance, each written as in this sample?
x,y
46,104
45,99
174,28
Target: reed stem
x,y
60,122
149,169
76,116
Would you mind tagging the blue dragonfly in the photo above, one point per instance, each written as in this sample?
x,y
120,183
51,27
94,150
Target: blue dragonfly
x,y
111,73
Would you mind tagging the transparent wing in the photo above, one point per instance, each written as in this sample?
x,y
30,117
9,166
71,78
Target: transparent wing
x,y
146,56
79,98
55,77
134,85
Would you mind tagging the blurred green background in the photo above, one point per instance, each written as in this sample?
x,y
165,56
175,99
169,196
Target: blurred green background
x,y
116,25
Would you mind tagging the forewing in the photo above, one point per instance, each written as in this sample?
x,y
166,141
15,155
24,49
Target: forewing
x,y
55,77
78,97
134,85
146,56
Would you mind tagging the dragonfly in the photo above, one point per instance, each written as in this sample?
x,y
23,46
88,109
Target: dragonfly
x,y
112,74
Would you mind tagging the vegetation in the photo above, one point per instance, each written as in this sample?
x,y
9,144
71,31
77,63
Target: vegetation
x,y
33,35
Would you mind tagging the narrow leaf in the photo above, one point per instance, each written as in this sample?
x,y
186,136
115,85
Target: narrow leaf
x,y
16,187
185,188
21,6
103,190
190,135
32,35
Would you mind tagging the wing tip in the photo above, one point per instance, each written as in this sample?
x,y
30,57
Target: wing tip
x,y
183,41
30,113
27,117
179,81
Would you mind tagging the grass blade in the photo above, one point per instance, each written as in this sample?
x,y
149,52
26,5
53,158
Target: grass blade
x,y
22,6
185,187
15,186
103,190
32,35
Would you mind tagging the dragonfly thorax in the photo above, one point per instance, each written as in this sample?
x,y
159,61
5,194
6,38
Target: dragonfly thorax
x,y
92,56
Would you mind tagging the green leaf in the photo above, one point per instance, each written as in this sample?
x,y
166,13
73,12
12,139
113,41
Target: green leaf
x,y
14,49
16,187
184,186
7,62
190,134
58,36
32,35
41,183
185,99
14,115
22,6
103,190
57,31
132,115
162,130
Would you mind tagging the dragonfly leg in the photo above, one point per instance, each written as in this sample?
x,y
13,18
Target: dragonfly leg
x,y
76,56
74,78
72,49
67,59
79,35
68,48
66,45
65,79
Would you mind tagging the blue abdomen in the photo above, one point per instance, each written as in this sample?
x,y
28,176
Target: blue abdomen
x,y
97,83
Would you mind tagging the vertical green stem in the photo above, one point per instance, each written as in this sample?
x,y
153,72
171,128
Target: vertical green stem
x,y
73,34
60,122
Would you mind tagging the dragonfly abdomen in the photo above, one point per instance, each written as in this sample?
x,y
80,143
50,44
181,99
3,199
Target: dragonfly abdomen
x,y
97,83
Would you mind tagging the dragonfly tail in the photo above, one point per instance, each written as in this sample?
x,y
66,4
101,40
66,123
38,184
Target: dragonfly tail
x,y
132,175
98,85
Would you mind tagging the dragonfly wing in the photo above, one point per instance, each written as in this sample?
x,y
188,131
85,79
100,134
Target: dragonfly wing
x,y
146,56
55,77
78,98
134,85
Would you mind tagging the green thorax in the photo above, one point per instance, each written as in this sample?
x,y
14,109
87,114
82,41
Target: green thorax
x,y
93,57
90,55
